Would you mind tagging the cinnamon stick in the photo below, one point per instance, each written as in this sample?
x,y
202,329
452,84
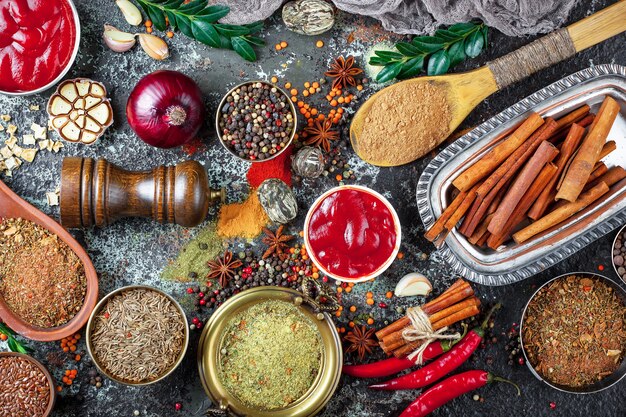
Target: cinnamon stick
x,y
572,116
589,151
519,213
608,147
462,209
480,230
481,242
573,139
562,134
515,160
599,170
545,153
455,296
492,208
496,155
610,178
508,169
562,213
439,226
456,317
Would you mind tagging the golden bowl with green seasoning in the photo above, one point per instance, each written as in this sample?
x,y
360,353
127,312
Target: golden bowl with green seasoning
x,y
269,351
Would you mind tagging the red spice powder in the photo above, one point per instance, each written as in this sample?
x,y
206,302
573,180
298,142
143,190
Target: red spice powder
x,y
279,167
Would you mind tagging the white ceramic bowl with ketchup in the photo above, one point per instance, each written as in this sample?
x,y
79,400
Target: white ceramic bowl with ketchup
x,y
370,218
21,41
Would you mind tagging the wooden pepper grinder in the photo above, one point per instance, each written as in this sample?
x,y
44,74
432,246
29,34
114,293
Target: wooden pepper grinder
x,y
96,193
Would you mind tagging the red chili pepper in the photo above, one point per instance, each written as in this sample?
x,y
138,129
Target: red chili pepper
x,y
441,367
392,366
448,389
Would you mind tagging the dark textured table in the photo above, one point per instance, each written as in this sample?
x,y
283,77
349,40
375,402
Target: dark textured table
x,y
135,251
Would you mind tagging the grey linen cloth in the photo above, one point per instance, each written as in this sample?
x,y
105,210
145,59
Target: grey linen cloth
x,y
513,18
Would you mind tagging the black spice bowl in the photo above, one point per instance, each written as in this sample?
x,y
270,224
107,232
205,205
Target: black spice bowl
x,y
618,254
605,382
278,94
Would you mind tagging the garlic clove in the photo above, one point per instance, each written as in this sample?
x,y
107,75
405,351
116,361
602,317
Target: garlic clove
x,y
71,132
413,284
92,126
68,90
82,85
60,121
101,113
154,46
88,137
97,90
60,106
117,40
130,11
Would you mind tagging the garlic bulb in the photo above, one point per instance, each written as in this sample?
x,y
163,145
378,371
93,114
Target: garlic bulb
x,y
130,11
80,111
117,40
309,17
154,46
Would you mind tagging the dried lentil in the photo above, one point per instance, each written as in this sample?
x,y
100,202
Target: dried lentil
x,y
24,388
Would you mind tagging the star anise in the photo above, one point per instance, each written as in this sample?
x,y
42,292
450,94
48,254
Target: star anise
x,y
223,268
320,134
343,72
276,242
361,341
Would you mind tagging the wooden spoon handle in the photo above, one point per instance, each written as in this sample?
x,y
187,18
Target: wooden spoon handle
x,y
598,27
559,45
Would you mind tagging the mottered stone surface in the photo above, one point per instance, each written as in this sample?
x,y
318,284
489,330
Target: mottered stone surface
x,y
135,251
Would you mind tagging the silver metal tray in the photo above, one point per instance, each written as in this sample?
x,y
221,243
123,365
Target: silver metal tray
x,y
514,262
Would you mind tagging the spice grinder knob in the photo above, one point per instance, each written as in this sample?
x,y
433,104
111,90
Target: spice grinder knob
x,y
97,193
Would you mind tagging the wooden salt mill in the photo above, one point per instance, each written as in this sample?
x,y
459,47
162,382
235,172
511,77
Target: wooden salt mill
x,y
97,193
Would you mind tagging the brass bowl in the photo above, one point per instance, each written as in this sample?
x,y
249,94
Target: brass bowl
x,y
218,116
209,354
44,370
96,312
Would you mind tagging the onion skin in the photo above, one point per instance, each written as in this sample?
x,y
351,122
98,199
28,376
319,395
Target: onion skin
x,y
165,109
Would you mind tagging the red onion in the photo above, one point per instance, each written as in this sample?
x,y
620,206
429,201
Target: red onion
x,y
165,109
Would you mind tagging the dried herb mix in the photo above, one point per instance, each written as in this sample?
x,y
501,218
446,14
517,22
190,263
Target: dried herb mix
x,y
138,335
270,355
575,331
41,279
24,388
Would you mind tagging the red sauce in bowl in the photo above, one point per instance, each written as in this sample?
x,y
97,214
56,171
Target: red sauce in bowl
x,y
37,39
352,233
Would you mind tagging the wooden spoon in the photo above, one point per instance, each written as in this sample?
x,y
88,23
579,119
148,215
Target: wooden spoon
x,y
12,206
465,90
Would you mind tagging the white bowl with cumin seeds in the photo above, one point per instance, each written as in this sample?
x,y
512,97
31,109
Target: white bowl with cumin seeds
x,y
44,371
607,381
92,325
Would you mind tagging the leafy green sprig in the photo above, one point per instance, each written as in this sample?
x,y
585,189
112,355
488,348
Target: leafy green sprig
x,y
14,345
198,21
444,50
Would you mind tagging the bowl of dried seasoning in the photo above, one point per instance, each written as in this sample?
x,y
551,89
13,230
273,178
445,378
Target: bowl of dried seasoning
x,y
573,333
256,121
48,285
26,386
267,352
137,335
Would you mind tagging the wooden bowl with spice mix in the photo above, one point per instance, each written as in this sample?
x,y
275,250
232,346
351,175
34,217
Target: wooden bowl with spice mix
x,y
256,121
573,333
137,335
26,386
48,285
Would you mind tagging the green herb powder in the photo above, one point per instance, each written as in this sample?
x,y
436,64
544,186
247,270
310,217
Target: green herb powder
x,y
191,263
270,355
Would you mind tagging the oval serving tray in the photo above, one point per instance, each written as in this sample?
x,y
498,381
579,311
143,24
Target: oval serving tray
x,y
514,262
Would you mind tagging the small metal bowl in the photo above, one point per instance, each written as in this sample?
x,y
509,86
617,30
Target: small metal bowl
x,y
381,268
325,384
67,67
99,307
53,391
622,232
219,114
605,382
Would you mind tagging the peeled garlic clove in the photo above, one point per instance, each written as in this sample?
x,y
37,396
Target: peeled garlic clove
x,y
154,46
413,284
130,11
117,40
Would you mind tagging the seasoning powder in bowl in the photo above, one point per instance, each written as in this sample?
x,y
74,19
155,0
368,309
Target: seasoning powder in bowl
x,y
352,233
137,336
270,355
41,279
574,331
24,388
